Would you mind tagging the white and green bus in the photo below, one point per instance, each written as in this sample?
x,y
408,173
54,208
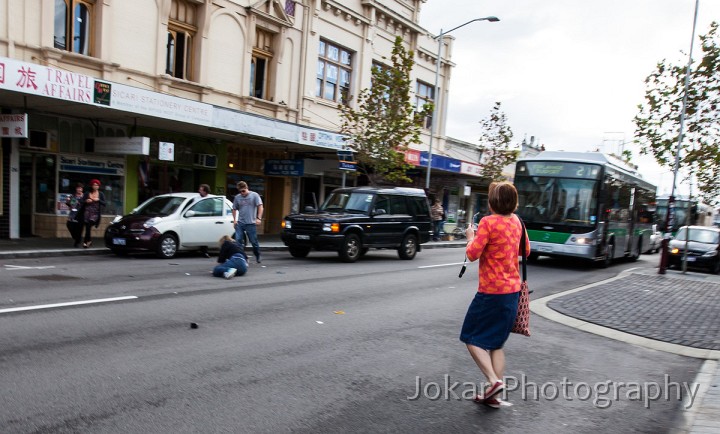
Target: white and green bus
x,y
584,205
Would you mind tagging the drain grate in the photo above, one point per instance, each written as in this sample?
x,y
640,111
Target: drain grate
x,y
52,277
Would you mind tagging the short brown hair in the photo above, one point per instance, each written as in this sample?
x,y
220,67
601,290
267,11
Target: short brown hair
x,y
242,185
502,197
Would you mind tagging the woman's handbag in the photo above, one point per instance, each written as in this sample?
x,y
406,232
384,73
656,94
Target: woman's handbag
x,y
522,320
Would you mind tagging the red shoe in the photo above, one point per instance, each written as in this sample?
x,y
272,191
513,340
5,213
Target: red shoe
x,y
496,388
492,402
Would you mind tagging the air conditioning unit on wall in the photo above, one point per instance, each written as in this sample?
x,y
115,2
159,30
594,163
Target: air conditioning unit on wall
x,y
206,160
37,140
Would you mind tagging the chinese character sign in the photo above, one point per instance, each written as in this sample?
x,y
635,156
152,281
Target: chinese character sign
x,y
14,125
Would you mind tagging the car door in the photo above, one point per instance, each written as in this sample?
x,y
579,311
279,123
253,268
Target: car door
x,y
205,222
389,227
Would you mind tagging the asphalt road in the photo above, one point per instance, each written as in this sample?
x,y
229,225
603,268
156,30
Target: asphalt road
x,y
311,345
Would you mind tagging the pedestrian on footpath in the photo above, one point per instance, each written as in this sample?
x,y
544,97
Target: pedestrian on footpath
x,y
492,312
247,214
437,213
203,191
232,259
74,221
93,203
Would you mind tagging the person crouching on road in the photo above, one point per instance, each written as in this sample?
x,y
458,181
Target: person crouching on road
x,y
492,312
232,259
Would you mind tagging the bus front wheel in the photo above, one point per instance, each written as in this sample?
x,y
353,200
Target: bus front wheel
x,y
609,255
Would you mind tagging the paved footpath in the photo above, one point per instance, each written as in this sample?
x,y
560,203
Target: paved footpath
x,y
675,312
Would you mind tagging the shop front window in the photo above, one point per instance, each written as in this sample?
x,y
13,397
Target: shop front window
x,y
45,169
110,185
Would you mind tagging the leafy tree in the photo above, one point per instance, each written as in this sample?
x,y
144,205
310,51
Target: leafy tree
x,y
658,121
385,122
495,144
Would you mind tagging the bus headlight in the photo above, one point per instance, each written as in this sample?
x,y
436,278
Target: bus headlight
x,y
583,241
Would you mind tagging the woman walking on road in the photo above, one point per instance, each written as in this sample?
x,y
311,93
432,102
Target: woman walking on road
x,y
492,312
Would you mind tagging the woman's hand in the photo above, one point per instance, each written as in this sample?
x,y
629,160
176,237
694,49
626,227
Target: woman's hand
x,y
470,233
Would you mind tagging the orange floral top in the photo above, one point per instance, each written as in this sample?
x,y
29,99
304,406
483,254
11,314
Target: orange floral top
x,y
497,245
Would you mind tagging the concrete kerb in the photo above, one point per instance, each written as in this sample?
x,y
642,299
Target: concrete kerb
x,y
693,419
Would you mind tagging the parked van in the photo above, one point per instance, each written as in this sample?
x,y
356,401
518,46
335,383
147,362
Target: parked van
x,y
353,220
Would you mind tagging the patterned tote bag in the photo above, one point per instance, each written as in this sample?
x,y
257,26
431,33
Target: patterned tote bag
x,y
522,320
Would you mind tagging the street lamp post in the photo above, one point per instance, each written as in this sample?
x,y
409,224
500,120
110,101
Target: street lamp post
x,y
670,218
436,95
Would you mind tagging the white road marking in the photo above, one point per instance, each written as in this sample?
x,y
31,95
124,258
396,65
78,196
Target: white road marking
x,y
441,265
70,303
22,267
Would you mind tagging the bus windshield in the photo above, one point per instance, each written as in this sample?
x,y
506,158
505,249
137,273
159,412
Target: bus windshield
x,y
553,200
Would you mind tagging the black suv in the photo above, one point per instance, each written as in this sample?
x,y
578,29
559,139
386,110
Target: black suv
x,y
352,220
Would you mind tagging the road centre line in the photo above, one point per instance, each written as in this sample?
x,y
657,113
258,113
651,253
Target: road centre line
x,y
441,265
70,303
23,267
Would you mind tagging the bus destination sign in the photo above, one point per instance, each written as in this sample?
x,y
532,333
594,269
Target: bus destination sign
x,y
562,169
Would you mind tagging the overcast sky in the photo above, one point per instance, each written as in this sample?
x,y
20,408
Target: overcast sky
x,y
569,72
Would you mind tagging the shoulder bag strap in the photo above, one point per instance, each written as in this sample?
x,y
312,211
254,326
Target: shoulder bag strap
x,y
522,249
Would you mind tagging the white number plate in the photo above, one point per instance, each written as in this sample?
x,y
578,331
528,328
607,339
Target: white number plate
x,y
302,237
119,241
691,259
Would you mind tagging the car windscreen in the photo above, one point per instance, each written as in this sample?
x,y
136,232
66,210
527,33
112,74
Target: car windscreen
x,y
162,206
341,202
698,235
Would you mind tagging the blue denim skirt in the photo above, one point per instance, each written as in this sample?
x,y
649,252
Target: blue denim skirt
x,y
489,320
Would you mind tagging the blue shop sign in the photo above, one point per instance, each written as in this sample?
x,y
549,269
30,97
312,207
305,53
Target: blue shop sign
x,y
284,167
440,162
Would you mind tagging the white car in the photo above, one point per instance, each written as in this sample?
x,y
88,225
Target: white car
x,y
655,240
169,223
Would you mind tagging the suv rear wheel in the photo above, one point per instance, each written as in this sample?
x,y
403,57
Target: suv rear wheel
x,y
351,248
408,247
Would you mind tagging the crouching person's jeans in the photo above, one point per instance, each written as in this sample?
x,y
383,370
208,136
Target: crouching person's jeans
x,y
237,262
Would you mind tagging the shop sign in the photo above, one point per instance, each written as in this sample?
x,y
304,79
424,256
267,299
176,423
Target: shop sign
x,y
14,125
323,139
41,80
135,100
413,157
123,145
231,120
45,81
440,162
284,167
470,169
102,92
81,164
166,151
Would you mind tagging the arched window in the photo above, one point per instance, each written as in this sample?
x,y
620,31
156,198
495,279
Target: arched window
x,y
182,28
73,26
